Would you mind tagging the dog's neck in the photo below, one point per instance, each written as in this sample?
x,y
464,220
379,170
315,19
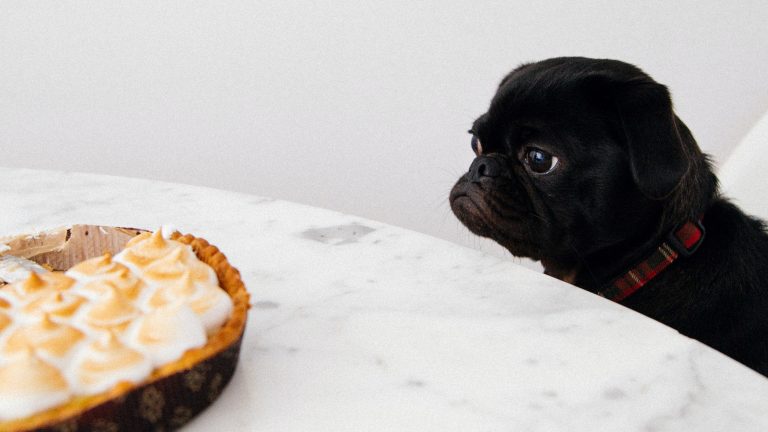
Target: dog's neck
x,y
682,241
593,270
619,271
566,273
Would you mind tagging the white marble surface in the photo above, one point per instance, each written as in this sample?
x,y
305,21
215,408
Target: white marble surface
x,y
361,326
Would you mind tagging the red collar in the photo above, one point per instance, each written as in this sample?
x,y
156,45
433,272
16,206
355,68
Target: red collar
x,y
683,241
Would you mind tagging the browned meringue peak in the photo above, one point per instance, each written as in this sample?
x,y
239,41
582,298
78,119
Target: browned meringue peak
x,y
29,384
182,288
60,304
5,321
111,309
8,298
178,263
96,266
133,241
29,373
168,332
146,248
208,301
44,335
102,272
107,361
33,283
39,284
52,280
123,280
93,266
213,307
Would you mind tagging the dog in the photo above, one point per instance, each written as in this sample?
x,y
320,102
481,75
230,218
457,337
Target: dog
x,y
583,165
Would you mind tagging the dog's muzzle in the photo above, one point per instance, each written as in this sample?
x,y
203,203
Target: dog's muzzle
x,y
484,166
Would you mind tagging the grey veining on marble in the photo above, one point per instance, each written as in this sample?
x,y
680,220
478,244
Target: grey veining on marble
x,y
357,325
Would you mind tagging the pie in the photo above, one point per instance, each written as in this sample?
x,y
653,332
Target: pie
x,y
142,337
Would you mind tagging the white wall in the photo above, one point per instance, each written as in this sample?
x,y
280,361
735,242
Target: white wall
x,y
355,105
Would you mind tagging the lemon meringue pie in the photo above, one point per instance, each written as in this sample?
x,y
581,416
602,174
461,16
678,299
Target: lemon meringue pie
x,y
116,339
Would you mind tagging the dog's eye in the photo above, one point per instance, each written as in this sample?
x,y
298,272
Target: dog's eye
x,y
539,161
477,146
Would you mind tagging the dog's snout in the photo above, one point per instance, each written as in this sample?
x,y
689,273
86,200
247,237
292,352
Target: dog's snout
x,y
484,167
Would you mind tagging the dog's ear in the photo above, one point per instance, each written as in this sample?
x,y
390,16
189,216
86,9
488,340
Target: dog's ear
x,y
657,154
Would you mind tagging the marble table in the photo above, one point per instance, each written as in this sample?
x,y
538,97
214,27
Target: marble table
x,y
360,326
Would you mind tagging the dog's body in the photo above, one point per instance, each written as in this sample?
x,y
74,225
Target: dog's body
x,y
582,164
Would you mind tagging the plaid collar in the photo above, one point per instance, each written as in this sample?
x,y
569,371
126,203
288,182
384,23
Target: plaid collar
x,y
682,240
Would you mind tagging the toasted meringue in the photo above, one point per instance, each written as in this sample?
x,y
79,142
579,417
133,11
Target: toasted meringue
x,y
146,248
208,301
5,321
98,274
166,333
93,267
105,363
35,286
182,288
126,284
32,284
110,310
213,306
178,263
39,281
58,304
28,384
45,336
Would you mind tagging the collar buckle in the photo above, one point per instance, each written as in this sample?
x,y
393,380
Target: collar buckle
x,y
683,233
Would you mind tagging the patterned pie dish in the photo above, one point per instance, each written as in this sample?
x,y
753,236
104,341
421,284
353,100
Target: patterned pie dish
x,y
118,329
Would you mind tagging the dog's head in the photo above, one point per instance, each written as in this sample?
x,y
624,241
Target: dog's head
x,y
576,157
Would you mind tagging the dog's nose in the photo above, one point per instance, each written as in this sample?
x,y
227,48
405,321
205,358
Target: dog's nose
x,y
484,167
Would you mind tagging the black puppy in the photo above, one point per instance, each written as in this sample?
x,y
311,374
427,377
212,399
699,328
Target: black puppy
x,y
582,164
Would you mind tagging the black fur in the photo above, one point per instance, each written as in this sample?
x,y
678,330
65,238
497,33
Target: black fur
x,y
628,171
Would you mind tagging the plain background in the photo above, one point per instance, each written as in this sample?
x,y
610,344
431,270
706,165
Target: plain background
x,y
356,106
